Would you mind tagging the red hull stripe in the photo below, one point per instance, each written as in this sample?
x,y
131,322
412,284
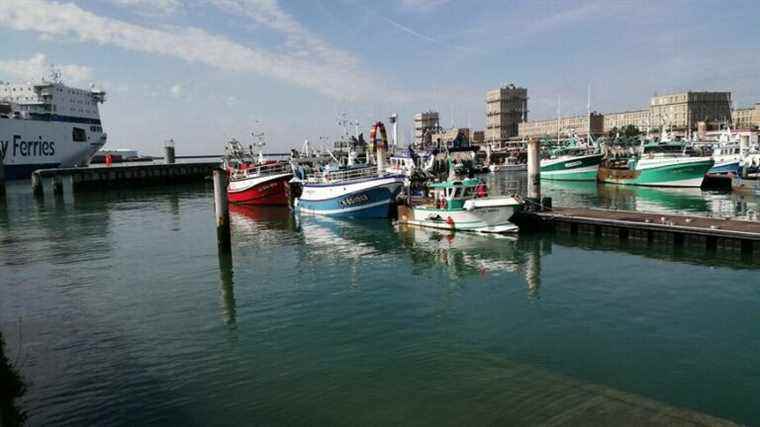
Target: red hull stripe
x,y
267,193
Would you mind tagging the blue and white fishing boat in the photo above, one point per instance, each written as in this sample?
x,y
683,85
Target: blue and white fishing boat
x,y
354,191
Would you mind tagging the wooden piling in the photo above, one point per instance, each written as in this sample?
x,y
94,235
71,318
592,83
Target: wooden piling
x,y
58,185
37,189
169,152
534,171
2,177
221,210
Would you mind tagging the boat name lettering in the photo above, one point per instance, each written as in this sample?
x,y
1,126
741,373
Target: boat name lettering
x,y
268,186
359,199
573,164
30,148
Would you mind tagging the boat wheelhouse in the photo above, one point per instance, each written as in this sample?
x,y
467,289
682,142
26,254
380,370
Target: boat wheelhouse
x,y
463,204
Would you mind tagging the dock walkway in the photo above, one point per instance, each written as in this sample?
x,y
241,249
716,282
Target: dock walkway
x,y
120,176
679,230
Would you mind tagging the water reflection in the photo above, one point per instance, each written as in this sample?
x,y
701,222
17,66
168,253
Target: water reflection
x,y
227,289
462,255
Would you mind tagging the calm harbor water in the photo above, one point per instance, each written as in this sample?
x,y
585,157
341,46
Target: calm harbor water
x,y
117,310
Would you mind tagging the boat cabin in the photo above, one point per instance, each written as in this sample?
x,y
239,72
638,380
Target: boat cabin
x,y
451,195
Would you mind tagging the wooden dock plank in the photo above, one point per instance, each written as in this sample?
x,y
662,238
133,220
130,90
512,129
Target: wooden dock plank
x,y
687,224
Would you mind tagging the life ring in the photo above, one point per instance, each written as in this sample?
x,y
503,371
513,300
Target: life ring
x,y
383,136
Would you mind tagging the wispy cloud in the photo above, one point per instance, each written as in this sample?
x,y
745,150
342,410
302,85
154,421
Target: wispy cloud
x,y
150,7
336,78
423,5
299,40
38,66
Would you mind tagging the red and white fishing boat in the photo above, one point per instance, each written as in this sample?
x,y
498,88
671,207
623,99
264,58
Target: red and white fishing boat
x,y
253,180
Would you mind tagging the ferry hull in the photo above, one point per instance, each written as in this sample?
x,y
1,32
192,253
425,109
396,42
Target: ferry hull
x,y
581,168
684,174
28,145
271,190
372,198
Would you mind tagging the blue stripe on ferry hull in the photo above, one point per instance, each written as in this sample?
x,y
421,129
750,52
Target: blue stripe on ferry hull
x,y
25,171
732,167
370,203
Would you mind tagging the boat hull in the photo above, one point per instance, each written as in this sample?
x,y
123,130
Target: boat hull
x,y
28,145
368,198
487,219
580,168
266,190
726,167
680,173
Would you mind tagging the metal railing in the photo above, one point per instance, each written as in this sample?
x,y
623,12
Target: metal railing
x,y
327,177
256,170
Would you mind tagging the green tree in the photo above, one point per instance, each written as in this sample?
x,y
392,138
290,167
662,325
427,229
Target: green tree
x,y
630,131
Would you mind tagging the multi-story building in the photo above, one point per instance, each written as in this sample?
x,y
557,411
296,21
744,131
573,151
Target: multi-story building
x,y
456,137
747,118
678,111
578,125
477,137
425,124
684,110
506,108
638,118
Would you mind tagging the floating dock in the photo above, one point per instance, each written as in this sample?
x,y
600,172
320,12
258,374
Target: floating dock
x,y
712,234
120,176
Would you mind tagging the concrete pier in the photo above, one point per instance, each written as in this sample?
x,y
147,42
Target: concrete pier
x,y
712,234
122,176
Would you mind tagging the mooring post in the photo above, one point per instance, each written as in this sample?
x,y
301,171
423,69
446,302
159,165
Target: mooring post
x,y
222,212
37,184
534,171
57,185
2,177
169,152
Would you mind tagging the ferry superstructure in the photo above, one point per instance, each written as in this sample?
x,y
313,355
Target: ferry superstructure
x,y
48,125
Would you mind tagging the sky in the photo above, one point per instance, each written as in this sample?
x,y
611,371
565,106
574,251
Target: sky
x,y
203,71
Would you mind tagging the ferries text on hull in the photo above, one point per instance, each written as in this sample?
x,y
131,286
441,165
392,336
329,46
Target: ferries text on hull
x,y
47,125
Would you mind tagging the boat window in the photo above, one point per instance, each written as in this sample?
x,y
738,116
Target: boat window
x,y
78,135
468,191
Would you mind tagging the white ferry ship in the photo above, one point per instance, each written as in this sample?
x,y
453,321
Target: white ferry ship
x,y
48,125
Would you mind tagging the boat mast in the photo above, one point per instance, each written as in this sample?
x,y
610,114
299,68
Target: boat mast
x,y
588,108
559,110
